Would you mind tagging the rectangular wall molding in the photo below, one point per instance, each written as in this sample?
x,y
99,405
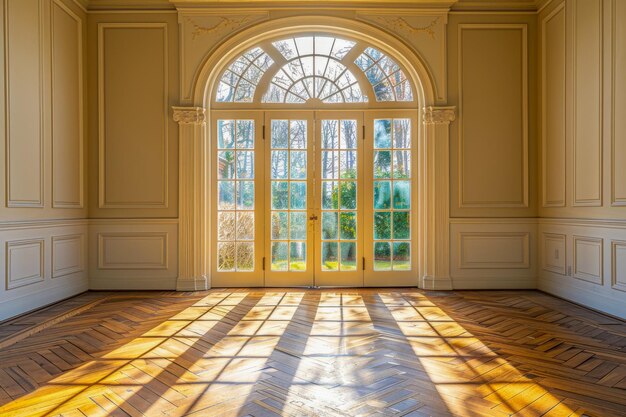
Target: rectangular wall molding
x,y
618,104
586,121
553,141
133,250
494,250
554,253
67,255
485,125
129,120
24,262
24,102
588,259
618,265
67,107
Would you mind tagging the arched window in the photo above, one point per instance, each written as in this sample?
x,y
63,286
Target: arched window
x,y
314,174
314,67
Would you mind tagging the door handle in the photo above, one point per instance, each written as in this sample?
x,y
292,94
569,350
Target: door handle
x,y
313,217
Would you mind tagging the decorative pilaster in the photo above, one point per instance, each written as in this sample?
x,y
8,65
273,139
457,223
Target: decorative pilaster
x,y
192,199
437,198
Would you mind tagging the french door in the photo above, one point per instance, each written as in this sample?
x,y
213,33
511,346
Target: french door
x,y
313,198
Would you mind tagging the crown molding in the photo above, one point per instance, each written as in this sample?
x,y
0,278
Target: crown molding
x,y
477,6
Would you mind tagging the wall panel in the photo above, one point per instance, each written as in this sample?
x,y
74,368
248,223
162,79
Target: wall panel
x,y
24,102
67,107
24,262
618,265
133,115
554,253
493,115
492,253
133,254
587,101
67,254
588,259
553,105
618,134
139,250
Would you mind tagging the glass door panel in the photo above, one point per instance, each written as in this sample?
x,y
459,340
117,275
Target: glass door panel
x,y
339,233
290,215
237,198
390,206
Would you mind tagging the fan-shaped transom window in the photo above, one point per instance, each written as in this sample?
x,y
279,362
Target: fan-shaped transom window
x,y
324,68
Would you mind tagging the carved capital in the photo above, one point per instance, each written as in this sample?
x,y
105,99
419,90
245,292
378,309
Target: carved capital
x,y
437,115
189,115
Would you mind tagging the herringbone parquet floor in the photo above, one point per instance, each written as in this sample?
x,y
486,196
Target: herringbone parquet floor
x,y
295,352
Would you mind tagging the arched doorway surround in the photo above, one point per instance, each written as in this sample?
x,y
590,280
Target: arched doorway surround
x,y
432,255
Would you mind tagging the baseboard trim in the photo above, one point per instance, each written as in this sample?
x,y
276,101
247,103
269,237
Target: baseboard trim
x,y
200,283
428,282
40,299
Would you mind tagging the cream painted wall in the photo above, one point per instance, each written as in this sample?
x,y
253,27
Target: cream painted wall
x,y
493,148
133,150
583,152
43,227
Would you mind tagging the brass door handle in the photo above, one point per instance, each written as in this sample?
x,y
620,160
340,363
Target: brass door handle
x,y
313,217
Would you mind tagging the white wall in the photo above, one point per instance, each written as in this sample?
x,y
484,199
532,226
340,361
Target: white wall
x,y
493,142
583,153
43,231
133,150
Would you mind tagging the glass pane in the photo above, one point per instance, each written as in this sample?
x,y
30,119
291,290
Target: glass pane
x,y
330,137
347,164
382,194
402,133
245,256
297,256
298,165
280,134
382,225
329,225
245,195
401,225
348,195
329,195
245,164
382,256
280,225
225,195
225,134
330,164
298,195
278,169
298,134
401,256
226,165
245,134
280,194
401,194
329,256
382,164
226,225
226,256
402,164
245,225
279,256
382,134
347,225
297,229
348,134
348,256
